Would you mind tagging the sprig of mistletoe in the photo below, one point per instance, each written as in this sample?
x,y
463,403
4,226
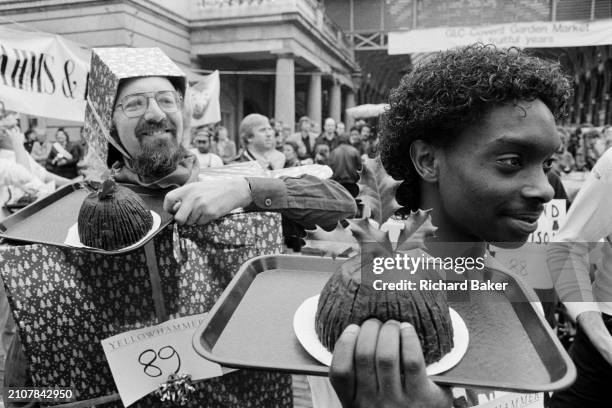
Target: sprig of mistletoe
x,y
377,194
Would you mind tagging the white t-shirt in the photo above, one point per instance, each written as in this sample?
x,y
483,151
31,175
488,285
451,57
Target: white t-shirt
x,y
13,174
35,168
207,159
587,230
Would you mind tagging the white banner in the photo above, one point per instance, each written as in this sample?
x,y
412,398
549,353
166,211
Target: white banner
x,y
43,74
539,34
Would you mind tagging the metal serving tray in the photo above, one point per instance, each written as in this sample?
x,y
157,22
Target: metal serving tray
x,y
510,348
47,221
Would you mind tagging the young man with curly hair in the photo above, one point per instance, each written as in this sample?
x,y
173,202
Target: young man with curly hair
x,y
472,133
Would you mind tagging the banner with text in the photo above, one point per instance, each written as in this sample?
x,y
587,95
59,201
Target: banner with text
x,y
43,74
537,34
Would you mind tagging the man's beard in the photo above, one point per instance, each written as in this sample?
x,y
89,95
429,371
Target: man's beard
x,y
158,158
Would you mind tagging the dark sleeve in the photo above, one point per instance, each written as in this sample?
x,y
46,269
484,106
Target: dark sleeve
x,y
307,200
357,160
51,156
76,154
557,185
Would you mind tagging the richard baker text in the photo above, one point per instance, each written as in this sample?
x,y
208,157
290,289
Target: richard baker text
x,y
428,284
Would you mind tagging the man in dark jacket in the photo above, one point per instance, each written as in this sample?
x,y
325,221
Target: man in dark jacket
x,y
345,162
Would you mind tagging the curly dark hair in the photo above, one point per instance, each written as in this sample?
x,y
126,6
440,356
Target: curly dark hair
x,y
445,94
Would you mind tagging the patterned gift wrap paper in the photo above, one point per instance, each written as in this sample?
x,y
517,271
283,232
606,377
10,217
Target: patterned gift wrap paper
x,y
65,301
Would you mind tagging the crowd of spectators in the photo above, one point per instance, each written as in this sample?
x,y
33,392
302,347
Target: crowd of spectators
x,y
274,145
30,165
581,147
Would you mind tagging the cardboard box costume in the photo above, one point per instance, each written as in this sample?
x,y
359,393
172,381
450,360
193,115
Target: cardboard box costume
x,y
65,301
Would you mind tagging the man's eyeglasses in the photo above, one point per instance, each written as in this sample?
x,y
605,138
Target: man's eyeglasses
x,y
135,105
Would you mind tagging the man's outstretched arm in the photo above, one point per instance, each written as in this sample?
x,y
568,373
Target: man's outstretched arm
x,y
307,200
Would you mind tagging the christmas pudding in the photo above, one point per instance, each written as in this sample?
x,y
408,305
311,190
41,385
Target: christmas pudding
x,y
113,217
345,299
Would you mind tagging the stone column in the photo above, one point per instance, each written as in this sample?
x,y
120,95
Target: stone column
x,y
335,101
239,109
349,102
284,94
315,98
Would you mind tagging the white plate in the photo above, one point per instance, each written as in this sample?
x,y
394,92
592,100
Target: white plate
x,y
304,328
72,238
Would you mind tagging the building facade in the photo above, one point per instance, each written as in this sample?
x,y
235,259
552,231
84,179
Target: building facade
x,y
368,23
280,58
288,58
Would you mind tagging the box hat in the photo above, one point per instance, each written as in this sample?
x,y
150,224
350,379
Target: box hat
x,y
109,66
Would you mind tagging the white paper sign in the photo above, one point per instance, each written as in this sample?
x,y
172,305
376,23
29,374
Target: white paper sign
x,y
513,400
140,360
530,260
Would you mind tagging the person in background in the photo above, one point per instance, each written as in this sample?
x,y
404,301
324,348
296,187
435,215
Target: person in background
x,y
84,163
258,139
279,140
64,156
291,157
315,128
20,175
321,154
12,149
202,151
223,146
277,126
304,138
340,128
41,147
17,169
607,137
329,136
345,162
564,161
366,132
594,147
356,140
286,131
30,139
372,146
